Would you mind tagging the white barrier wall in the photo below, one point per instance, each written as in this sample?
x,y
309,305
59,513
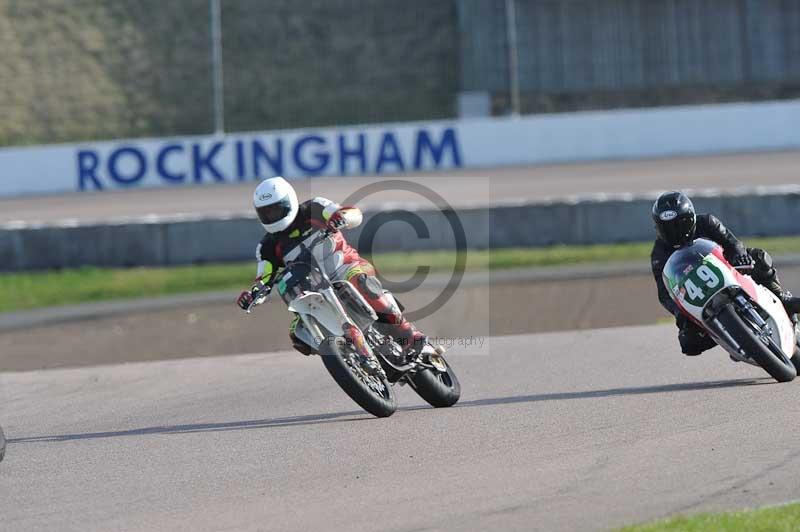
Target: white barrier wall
x,y
392,148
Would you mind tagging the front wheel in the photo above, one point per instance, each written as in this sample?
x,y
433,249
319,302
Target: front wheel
x,y
770,357
439,388
372,392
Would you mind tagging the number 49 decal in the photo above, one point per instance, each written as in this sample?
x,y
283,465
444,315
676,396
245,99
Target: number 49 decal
x,y
702,284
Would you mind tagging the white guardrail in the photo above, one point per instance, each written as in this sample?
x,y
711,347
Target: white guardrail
x,y
392,148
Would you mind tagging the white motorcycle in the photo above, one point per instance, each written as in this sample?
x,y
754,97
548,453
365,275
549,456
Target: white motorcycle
x,y
338,323
743,317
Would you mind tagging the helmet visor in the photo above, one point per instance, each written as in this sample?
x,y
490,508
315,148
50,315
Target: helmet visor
x,y
678,232
274,212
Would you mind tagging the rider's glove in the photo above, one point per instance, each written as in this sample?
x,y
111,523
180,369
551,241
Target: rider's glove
x,y
337,221
245,300
743,261
345,218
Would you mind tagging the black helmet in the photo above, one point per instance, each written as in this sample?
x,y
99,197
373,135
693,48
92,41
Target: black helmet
x,y
675,219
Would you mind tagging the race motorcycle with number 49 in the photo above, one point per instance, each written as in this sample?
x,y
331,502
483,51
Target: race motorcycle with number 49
x,y
338,324
743,317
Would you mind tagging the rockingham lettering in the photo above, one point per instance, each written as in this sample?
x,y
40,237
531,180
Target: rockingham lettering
x,y
236,158
161,163
205,161
358,153
88,161
274,159
127,165
389,154
311,147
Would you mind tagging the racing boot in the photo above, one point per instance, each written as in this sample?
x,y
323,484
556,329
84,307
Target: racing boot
x,y
765,274
790,303
412,342
391,320
429,353
422,346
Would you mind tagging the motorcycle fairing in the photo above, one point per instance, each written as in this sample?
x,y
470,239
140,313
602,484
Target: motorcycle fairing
x,y
314,304
683,267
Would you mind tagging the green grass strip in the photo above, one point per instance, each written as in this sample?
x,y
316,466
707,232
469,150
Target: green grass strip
x,y
19,291
773,519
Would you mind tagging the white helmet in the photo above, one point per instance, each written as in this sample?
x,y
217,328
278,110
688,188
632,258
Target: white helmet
x,y
276,204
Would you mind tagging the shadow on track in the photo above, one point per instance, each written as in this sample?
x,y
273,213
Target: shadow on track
x,y
203,427
359,415
612,392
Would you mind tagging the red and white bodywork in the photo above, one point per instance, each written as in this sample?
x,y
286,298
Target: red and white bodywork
x,y
698,276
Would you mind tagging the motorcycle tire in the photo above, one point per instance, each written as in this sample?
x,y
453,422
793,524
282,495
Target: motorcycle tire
x,y
779,369
378,404
796,357
439,389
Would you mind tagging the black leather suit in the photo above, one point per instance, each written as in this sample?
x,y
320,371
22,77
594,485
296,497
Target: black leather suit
x,y
692,338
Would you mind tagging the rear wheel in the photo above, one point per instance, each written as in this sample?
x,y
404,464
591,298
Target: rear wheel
x,y
439,388
766,354
372,392
2,444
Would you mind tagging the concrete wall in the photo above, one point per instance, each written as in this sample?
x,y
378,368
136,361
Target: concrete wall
x,y
393,148
188,240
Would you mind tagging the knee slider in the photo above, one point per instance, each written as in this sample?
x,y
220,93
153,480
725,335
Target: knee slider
x,y
372,289
370,285
689,346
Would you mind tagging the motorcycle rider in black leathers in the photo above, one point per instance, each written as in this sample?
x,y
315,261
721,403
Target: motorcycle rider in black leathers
x,y
678,225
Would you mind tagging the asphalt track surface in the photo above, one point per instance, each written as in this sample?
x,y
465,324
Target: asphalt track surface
x,y
483,186
562,431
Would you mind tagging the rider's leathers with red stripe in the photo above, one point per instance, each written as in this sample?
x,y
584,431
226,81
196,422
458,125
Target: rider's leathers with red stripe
x,y
312,216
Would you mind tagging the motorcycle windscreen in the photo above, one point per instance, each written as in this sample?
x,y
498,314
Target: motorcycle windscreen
x,y
694,274
298,278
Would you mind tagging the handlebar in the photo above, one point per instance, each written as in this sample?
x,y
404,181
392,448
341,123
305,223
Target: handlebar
x,y
259,296
322,235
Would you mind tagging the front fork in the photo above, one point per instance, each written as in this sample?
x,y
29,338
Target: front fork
x,y
764,329
349,330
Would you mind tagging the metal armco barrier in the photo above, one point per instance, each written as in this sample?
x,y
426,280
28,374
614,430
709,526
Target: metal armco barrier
x,y
165,241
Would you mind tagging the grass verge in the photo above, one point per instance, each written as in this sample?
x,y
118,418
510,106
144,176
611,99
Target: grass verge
x,y
772,519
20,291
